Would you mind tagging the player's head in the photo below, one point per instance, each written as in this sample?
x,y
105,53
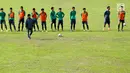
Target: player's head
x,y
33,9
73,8
52,8
21,7
108,7
42,9
122,8
29,16
60,9
84,9
1,9
11,9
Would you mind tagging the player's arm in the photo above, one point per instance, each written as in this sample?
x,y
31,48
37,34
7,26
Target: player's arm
x,y
26,23
63,14
57,15
24,13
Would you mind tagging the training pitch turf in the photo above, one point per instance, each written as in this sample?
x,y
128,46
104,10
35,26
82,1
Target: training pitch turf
x,y
94,51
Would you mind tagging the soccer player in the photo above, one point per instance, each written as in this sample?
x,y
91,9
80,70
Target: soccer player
x,y
73,18
107,18
21,18
29,26
84,16
60,15
43,17
35,17
121,17
2,19
11,19
53,18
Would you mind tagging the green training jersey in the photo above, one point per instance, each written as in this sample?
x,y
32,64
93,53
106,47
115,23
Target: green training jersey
x,y
73,15
60,15
2,15
53,15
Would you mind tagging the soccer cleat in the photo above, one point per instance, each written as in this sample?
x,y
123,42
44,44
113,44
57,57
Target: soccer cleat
x,y
1,30
109,29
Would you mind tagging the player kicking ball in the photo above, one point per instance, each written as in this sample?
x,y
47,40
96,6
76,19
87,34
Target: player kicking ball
x,y
121,17
107,18
29,26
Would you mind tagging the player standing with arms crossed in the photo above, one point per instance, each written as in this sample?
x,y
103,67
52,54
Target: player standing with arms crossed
x,y
43,17
53,18
121,17
84,16
35,17
73,19
107,18
21,18
11,19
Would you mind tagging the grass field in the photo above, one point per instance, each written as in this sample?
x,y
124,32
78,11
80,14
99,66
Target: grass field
x,y
77,52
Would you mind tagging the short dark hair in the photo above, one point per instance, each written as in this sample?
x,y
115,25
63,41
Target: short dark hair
x,y
60,8
21,7
11,8
122,7
52,7
1,9
33,8
42,9
73,7
84,8
108,7
29,15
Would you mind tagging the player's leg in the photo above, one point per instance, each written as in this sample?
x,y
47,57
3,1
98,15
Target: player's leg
x,y
45,26
28,30
31,31
52,24
14,25
10,22
37,25
1,22
71,26
62,26
122,25
74,24
58,25
55,24
119,25
42,26
87,25
19,24
22,24
5,24
83,23
34,23
109,26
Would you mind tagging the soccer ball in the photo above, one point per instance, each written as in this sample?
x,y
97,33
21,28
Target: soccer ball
x,y
60,35
124,24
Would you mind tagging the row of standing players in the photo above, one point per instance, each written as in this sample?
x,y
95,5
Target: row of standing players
x,y
60,15
43,17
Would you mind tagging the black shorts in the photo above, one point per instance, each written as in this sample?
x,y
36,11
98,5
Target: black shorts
x,y
107,21
2,21
73,21
85,22
54,21
35,21
60,22
11,21
21,20
122,21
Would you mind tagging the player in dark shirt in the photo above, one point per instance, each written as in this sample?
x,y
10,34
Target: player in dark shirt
x,y
29,26
107,18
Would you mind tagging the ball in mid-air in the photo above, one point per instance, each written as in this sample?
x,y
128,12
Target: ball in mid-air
x,y
124,24
60,35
